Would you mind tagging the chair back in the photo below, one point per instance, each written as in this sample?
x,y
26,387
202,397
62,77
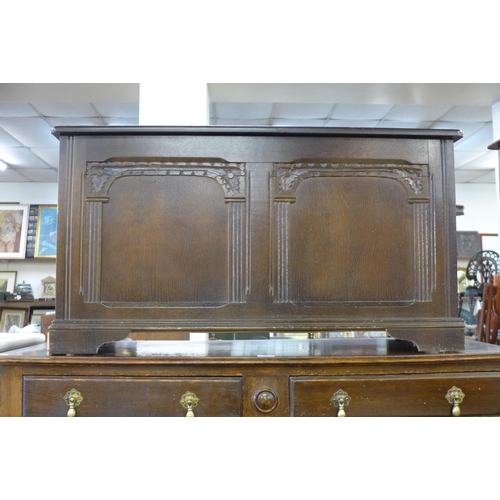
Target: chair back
x,y
481,266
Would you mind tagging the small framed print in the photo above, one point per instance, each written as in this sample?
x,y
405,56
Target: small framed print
x,y
8,281
46,233
12,317
468,244
13,231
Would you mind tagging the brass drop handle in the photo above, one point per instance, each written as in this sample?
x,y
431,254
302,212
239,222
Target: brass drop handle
x,y
341,399
73,399
189,401
455,396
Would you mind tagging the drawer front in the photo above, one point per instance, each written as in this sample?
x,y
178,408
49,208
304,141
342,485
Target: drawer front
x,y
395,396
131,397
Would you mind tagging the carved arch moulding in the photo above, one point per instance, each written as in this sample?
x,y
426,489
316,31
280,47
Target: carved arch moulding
x,y
288,176
230,176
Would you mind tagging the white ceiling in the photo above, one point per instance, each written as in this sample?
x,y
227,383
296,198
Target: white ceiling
x,y
29,111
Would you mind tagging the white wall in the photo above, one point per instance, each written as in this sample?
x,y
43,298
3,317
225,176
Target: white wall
x,y
481,212
31,271
480,208
29,193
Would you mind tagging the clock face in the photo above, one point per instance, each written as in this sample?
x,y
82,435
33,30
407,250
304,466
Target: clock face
x,y
50,287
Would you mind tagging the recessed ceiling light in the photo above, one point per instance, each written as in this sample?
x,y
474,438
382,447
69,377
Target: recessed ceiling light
x,y
3,165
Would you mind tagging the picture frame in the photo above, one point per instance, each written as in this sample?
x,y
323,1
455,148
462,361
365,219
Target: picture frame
x,y
8,281
468,244
11,317
31,238
46,232
36,316
490,241
13,230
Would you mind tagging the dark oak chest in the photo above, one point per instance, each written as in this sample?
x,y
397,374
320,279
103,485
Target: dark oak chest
x,y
255,229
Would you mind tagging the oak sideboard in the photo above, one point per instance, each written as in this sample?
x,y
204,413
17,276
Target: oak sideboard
x,y
253,378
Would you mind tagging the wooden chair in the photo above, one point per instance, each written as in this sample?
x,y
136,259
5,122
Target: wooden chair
x,y
488,317
481,266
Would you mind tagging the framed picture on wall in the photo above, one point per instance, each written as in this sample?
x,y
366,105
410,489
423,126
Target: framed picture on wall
x,y
468,244
46,233
13,230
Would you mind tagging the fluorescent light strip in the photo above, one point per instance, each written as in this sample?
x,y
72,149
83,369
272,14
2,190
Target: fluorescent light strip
x,y
3,165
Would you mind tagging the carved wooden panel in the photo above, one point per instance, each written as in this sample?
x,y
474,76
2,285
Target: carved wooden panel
x,y
356,233
181,244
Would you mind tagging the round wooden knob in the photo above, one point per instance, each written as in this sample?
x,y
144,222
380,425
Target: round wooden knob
x,y
265,400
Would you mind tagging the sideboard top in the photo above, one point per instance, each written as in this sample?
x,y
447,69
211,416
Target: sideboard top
x,y
333,351
259,131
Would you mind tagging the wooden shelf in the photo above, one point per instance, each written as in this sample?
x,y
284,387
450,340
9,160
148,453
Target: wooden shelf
x,y
25,304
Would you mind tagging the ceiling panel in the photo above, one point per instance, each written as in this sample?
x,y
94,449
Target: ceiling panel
x,y
486,178
242,110
487,161
405,124
463,158
360,111
118,109
12,175
22,157
17,109
467,94
71,109
290,122
7,141
468,114
467,128
301,111
415,113
255,122
40,175
29,131
353,123
466,176
120,120
48,155
28,112
478,140
57,120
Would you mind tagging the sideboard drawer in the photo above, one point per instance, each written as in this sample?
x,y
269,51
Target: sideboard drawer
x,y
132,397
395,396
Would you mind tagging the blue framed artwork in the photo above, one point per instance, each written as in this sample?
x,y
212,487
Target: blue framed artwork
x,y
46,233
